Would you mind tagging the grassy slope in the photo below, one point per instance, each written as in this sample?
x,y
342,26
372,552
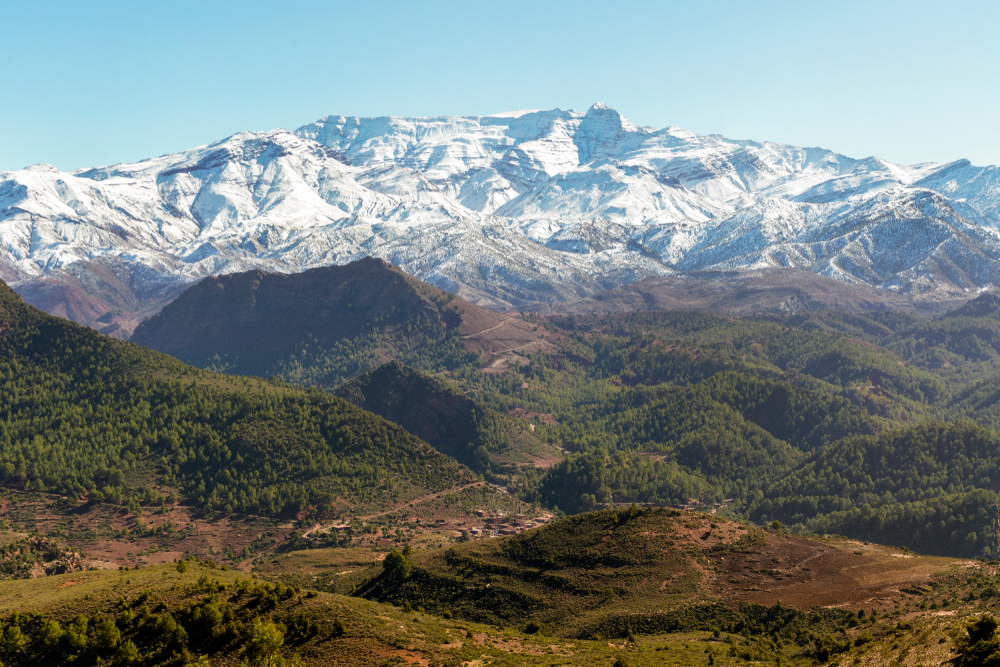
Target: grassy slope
x,y
374,633
378,634
680,581
671,602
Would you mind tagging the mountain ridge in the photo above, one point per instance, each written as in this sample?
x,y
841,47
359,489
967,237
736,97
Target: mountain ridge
x,y
503,210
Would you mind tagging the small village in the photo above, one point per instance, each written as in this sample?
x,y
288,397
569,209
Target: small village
x,y
497,523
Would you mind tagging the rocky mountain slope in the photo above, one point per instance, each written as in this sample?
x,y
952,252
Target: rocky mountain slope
x,y
328,324
748,291
503,210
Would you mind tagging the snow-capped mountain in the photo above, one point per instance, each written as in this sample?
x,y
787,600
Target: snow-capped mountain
x,y
503,210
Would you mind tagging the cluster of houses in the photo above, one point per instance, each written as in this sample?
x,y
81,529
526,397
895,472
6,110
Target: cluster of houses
x,y
498,523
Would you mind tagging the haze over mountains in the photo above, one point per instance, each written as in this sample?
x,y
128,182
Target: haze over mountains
x,y
504,211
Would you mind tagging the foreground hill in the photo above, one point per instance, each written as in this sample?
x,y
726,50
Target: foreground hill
x,y
607,574
595,578
83,414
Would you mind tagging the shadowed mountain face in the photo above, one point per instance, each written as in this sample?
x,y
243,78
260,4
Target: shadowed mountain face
x,y
327,324
427,407
257,316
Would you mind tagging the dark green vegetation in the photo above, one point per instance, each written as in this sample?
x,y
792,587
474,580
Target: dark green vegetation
x,y
438,413
26,556
922,486
719,438
83,414
830,421
980,646
208,616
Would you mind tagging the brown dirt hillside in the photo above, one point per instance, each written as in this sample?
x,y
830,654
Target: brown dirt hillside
x,y
104,294
595,574
832,572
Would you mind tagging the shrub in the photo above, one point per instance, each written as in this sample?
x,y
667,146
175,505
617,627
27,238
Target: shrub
x,y
980,648
396,565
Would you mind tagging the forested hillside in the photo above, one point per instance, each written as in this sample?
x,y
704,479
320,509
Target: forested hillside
x,y
453,423
83,414
831,422
770,417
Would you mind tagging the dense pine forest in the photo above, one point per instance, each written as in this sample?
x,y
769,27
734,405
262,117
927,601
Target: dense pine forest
x,y
86,415
357,457
879,426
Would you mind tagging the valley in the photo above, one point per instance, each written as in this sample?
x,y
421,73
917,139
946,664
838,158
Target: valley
x,y
779,414
705,377
393,475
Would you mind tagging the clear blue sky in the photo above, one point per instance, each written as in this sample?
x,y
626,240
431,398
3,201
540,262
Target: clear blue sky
x,y
93,83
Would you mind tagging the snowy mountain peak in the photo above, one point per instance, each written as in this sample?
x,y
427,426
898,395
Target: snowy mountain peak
x,y
505,209
42,167
601,110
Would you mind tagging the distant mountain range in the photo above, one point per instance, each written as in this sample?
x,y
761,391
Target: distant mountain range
x,y
507,211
